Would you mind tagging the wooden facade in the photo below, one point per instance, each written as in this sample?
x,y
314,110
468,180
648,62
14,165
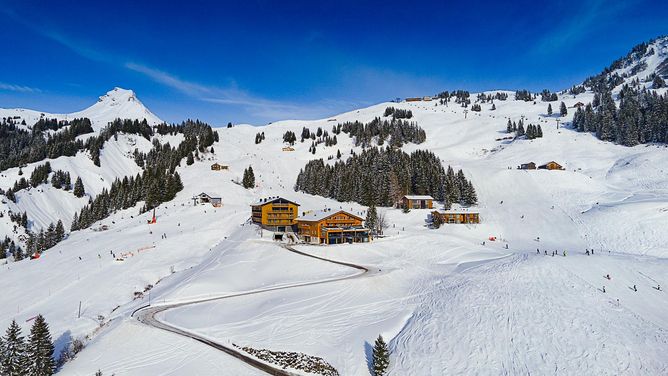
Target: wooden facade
x,y
332,227
552,165
415,99
275,213
417,202
457,216
288,148
528,166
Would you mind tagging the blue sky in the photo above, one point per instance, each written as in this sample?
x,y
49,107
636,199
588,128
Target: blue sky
x,y
261,61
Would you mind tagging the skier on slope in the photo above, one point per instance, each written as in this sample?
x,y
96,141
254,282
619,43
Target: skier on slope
x,y
634,288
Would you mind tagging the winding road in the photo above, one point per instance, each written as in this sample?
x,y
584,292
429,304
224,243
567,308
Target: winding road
x,y
147,314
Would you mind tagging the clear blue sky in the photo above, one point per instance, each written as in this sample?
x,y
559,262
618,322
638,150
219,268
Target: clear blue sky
x,y
259,61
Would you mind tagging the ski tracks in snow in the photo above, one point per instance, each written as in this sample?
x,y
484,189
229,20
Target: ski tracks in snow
x,y
511,316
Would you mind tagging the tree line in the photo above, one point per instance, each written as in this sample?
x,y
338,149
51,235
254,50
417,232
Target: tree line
x,y
642,117
381,176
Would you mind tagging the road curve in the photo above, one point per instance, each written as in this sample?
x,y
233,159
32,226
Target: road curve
x,y
146,314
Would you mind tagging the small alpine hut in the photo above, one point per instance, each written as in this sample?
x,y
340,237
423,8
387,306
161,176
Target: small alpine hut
x,y
218,167
552,165
528,166
205,198
417,202
578,105
332,227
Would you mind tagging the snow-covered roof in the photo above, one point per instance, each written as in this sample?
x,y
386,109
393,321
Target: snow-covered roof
x,y
319,215
419,197
267,200
204,194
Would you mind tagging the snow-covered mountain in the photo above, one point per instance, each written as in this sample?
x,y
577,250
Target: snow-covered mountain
x,y
115,104
642,63
448,300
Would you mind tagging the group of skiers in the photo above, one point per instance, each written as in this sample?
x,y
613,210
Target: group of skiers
x,y
554,253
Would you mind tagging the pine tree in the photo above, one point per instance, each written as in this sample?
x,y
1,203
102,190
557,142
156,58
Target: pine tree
x,y
436,221
190,160
14,357
381,357
248,180
79,190
549,109
371,218
338,154
40,349
562,109
509,127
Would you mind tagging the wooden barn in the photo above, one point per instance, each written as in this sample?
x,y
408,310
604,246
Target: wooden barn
x,y
275,213
552,165
417,202
288,148
218,167
457,216
528,166
332,227
205,198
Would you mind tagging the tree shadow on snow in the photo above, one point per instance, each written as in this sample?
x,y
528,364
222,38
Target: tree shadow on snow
x,y
368,352
62,342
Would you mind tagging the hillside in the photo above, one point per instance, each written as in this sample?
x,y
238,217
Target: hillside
x,y
447,300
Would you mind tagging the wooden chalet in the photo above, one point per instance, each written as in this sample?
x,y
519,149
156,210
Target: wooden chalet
x,y
288,148
205,198
457,216
332,227
414,99
218,167
552,165
578,105
275,213
528,166
417,202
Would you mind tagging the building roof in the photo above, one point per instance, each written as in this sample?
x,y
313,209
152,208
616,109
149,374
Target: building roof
x,y
319,215
207,195
269,200
547,163
418,197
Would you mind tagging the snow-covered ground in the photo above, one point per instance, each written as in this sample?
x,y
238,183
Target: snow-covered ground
x,y
445,302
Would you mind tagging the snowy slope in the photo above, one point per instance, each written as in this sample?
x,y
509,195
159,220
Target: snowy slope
x,y
448,301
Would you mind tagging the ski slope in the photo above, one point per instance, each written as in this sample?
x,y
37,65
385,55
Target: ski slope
x,y
448,301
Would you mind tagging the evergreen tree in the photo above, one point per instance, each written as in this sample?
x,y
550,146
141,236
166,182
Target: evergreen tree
x,y
381,357
436,221
190,160
248,180
79,190
549,109
658,82
562,109
371,219
338,154
40,349
14,352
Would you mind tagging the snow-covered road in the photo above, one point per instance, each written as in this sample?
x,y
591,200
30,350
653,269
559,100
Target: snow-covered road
x,y
147,315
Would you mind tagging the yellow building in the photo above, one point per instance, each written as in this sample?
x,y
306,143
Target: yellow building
x,y
274,213
331,227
